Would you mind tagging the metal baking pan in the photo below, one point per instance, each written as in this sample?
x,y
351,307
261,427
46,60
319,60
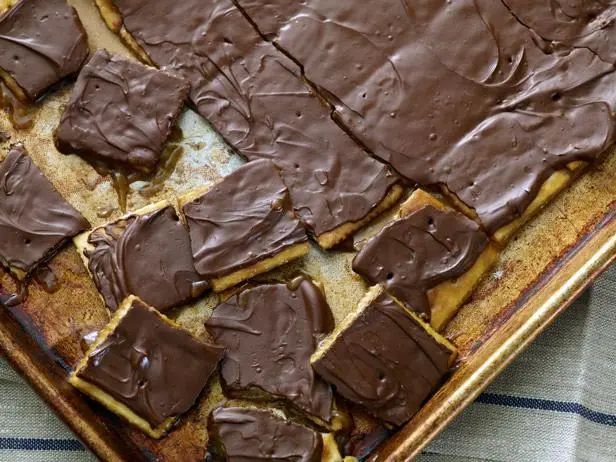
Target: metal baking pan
x,y
547,265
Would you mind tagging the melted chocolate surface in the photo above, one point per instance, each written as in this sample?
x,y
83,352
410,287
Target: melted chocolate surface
x,y
385,361
270,331
145,255
41,42
418,252
121,112
484,99
577,23
155,369
254,96
252,434
34,218
245,218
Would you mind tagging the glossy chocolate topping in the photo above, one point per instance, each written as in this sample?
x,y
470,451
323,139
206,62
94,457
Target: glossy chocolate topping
x,y
420,251
154,368
252,94
577,23
148,256
248,435
461,93
121,112
385,361
270,332
34,219
245,218
41,42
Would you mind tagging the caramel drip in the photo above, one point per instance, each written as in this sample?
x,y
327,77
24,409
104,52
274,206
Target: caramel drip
x,y
153,183
20,114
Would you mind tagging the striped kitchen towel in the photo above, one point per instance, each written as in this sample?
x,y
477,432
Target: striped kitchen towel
x,y
557,402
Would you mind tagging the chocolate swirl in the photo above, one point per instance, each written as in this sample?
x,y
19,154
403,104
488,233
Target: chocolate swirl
x,y
578,23
154,368
34,218
418,252
385,361
274,356
461,93
247,434
254,96
41,42
121,112
144,255
245,218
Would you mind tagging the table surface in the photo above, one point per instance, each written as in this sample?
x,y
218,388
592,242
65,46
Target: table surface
x,y
556,402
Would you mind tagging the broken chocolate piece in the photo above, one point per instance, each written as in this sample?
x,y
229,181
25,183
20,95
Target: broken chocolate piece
x,y
447,297
270,331
145,255
418,252
146,368
247,434
244,219
465,94
41,42
121,112
384,358
254,96
35,220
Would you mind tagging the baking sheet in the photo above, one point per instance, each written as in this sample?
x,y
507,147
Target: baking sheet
x,y
544,267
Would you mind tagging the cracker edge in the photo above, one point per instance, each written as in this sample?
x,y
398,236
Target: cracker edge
x,y
331,238
82,245
114,21
8,79
330,452
220,284
556,183
373,293
446,298
552,187
104,398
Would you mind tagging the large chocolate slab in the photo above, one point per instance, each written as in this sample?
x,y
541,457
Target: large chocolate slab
x,y
270,332
121,112
247,434
253,95
154,368
245,218
459,93
34,218
41,42
418,252
385,360
144,255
